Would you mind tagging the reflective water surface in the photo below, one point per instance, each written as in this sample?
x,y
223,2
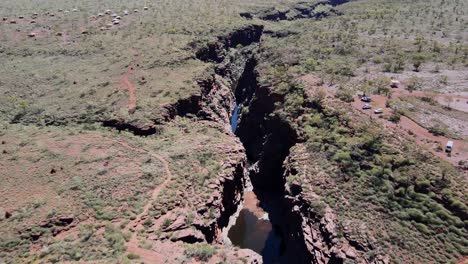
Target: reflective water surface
x,y
254,231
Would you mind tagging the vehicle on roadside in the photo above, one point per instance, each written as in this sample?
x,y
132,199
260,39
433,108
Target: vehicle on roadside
x,y
366,99
366,106
449,147
395,84
378,111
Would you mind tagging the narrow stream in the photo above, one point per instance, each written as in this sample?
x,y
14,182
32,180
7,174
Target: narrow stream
x,y
235,118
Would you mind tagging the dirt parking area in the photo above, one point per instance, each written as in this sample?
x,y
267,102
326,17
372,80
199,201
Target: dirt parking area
x,y
422,136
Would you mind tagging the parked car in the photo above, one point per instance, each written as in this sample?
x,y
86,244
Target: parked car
x,y
378,111
449,147
366,106
366,99
395,84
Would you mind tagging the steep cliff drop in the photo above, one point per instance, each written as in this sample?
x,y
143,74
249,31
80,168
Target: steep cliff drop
x,y
233,97
266,223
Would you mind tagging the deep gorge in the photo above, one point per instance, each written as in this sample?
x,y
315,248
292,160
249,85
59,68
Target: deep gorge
x,y
265,137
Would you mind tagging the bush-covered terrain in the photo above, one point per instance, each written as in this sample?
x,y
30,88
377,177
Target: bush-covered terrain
x,y
115,142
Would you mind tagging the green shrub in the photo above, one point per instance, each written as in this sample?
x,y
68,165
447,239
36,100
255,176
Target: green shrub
x,y
201,252
133,256
416,215
418,60
395,118
413,83
423,228
438,130
345,95
310,65
166,223
115,239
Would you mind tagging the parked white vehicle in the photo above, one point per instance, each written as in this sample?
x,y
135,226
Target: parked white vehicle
x,y
449,147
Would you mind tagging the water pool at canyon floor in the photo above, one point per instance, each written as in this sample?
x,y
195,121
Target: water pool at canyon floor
x,y
253,230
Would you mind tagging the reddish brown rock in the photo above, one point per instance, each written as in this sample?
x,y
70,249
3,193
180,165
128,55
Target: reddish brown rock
x,y
178,224
188,236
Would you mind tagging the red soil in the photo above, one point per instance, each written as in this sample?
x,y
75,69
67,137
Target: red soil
x,y
146,256
126,82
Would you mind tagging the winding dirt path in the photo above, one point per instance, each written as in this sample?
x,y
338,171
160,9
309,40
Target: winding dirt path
x,y
146,256
126,81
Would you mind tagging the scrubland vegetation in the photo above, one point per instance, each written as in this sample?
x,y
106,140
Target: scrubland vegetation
x,y
418,199
57,89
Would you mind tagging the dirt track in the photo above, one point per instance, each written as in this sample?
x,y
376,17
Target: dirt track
x,y
146,256
126,81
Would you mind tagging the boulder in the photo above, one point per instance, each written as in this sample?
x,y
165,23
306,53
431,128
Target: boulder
x,y
178,224
188,235
66,220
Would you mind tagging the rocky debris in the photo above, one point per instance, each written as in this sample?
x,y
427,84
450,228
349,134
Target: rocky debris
x,y
60,221
36,235
328,223
188,235
250,256
53,226
321,239
358,236
382,259
137,129
66,220
178,224
349,251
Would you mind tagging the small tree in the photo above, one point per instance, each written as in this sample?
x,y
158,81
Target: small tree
x,y
395,117
345,95
310,65
366,88
383,83
320,94
418,60
413,83
399,61
419,42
